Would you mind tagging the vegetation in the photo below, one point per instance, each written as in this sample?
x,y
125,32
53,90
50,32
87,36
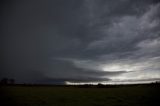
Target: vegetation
x,y
6,81
38,95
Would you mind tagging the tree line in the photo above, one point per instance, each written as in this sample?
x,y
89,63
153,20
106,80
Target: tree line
x,y
5,81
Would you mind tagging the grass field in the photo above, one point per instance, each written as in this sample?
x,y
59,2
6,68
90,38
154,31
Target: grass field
x,y
76,96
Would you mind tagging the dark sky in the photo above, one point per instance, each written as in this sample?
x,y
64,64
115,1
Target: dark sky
x,y
48,41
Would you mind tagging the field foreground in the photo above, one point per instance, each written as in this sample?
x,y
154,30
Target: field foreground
x,y
139,95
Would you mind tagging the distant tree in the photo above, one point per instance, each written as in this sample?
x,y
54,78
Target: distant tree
x,y
100,85
11,81
4,81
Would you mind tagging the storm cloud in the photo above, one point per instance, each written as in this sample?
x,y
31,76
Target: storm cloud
x,y
80,40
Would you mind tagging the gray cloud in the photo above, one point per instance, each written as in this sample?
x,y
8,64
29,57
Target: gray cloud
x,y
86,40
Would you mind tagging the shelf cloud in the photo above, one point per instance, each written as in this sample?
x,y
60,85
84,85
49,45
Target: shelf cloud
x,y
80,41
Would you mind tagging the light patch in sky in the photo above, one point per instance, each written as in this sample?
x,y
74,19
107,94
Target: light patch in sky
x,y
117,67
107,82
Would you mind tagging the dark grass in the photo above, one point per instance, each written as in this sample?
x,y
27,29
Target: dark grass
x,y
138,95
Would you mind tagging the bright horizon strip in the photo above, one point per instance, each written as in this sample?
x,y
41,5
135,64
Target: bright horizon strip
x,y
109,82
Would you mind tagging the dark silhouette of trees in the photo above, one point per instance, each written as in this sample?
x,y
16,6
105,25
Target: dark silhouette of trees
x,y
11,81
100,85
6,81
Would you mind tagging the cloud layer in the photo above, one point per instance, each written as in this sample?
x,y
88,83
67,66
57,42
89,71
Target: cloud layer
x,y
81,41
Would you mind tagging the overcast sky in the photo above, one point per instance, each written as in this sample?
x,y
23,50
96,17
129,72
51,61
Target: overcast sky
x,y
48,41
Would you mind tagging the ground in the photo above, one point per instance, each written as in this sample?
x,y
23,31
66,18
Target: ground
x,y
139,95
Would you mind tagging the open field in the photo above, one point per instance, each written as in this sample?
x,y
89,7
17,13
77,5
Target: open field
x,y
139,95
